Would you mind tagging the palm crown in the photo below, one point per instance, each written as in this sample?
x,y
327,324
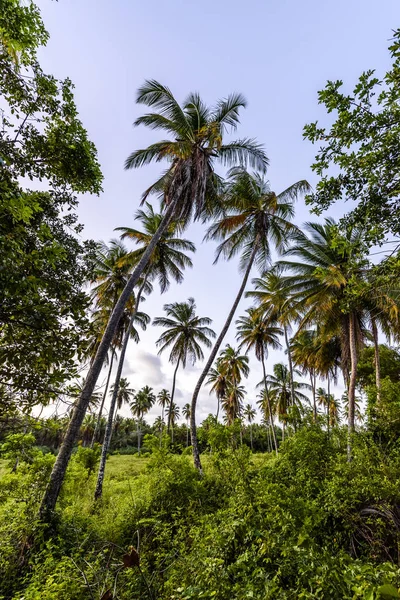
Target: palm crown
x,y
197,141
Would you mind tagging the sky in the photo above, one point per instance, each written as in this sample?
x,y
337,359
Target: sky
x,y
278,54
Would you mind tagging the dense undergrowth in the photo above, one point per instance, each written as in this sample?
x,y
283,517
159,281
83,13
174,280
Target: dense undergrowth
x,y
305,524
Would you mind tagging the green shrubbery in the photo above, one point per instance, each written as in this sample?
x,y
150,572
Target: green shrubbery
x,y
305,524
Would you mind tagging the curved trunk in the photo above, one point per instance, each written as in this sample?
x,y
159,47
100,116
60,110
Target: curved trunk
x,y
96,429
211,358
108,433
377,363
289,353
60,466
352,382
269,404
172,398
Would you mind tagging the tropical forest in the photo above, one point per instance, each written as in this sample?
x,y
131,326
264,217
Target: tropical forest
x,y
199,300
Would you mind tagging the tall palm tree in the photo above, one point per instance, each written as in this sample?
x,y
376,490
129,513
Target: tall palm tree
x,y
254,219
186,414
185,334
189,187
218,379
125,393
167,261
142,403
254,331
276,305
249,413
163,399
232,403
173,415
326,282
281,394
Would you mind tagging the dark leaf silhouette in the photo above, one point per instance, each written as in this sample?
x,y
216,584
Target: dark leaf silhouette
x,y
131,559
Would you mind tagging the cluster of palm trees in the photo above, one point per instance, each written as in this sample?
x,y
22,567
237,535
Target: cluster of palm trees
x,y
321,302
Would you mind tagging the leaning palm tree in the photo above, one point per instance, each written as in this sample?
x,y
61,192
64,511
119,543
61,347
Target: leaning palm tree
x,y
254,219
254,331
186,414
142,403
249,413
185,334
189,188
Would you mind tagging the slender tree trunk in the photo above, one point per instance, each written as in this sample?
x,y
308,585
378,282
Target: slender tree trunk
x,y
283,431
377,362
218,404
172,433
96,429
187,433
328,404
352,383
60,466
211,358
172,397
108,434
138,435
269,403
289,353
312,379
162,425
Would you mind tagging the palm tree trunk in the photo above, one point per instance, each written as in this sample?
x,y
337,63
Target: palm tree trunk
x,y
211,358
187,433
283,431
269,403
251,436
218,403
377,362
96,429
138,435
172,397
312,379
60,466
352,383
328,404
289,353
108,434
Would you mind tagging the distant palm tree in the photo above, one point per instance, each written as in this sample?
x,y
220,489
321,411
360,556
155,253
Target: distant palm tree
x,y
185,334
249,413
267,408
163,399
281,394
253,219
255,331
158,426
186,414
219,382
125,393
142,403
173,415
232,403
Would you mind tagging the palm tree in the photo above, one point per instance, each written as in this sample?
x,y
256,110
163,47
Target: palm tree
x,y
163,398
173,415
186,414
254,218
217,378
267,409
249,412
167,260
142,403
232,403
158,426
281,394
326,282
186,333
275,303
189,187
124,394
254,331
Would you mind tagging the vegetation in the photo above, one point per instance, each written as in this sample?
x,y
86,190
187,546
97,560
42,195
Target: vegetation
x,y
274,497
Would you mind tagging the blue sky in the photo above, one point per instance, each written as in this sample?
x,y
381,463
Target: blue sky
x,y
278,54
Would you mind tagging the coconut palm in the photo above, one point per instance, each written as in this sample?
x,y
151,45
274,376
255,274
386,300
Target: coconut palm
x,y
274,302
163,399
186,414
217,378
254,220
185,334
125,393
173,414
232,404
255,331
158,426
142,403
267,409
249,413
281,394
189,187
325,281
